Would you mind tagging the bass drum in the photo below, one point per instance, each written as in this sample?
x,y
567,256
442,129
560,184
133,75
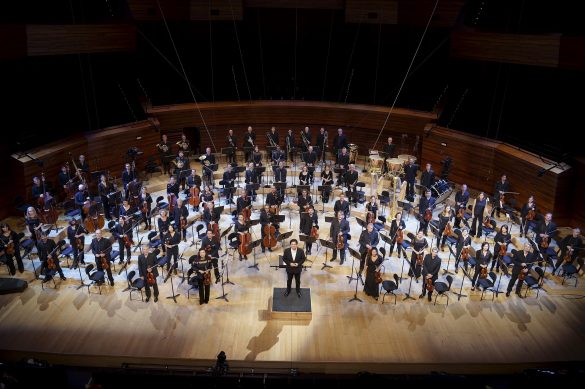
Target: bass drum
x,y
439,188
353,152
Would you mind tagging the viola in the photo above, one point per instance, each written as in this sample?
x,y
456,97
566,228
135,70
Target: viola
x,y
378,277
487,222
79,243
172,200
51,263
214,227
503,249
150,278
461,213
105,263
315,232
127,241
10,248
207,278
465,253
568,258
545,242
145,207
429,284
183,223
483,273
246,213
428,215
531,215
370,218
522,275
340,243
448,231
419,259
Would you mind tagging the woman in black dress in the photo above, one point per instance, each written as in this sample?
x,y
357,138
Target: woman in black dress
x,y
482,259
501,241
327,179
371,287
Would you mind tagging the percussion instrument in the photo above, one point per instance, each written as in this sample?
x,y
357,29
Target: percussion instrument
x,y
406,157
376,163
439,188
353,152
394,164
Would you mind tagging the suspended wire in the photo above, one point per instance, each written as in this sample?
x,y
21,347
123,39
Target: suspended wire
x,y
211,57
295,56
240,50
169,62
327,60
348,85
261,54
127,102
407,71
236,83
357,33
457,107
82,74
187,78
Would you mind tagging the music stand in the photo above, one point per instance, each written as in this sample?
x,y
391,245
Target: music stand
x,y
227,151
328,245
248,151
238,170
285,236
223,235
446,270
340,179
170,275
504,268
355,297
322,188
361,222
251,189
253,246
354,254
259,172
280,187
300,189
307,239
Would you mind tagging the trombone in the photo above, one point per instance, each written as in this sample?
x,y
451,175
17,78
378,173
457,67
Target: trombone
x,y
272,143
304,139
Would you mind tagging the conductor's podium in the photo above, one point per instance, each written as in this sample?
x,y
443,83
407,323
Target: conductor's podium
x,y
292,306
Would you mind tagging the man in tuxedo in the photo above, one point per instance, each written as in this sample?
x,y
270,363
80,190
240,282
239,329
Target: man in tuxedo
x,y
340,141
522,261
410,175
293,258
147,264
427,178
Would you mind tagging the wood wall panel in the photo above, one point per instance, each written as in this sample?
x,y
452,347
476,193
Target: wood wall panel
x,y
479,163
217,10
577,189
310,4
417,12
371,11
12,40
540,50
79,38
148,9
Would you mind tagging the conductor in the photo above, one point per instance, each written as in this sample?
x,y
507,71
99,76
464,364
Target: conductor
x,y
294,259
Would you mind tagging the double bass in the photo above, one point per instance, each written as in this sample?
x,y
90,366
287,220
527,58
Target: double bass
x,y
47,213
245,240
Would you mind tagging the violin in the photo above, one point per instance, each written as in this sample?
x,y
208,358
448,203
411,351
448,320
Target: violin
x,y
79,243
51,262
150,278
214,227
545,242
531,215
183,223
207,277
465,253
315,232
461,213
568,258
127,241
172,201
448,231
145,207
522,275
340,243
10,248
378,277
503,249
419,259
428,215
483,273
429,284
370,218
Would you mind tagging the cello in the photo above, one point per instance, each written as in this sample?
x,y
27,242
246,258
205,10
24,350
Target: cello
x,y
47,214
269,240
245,240
194,198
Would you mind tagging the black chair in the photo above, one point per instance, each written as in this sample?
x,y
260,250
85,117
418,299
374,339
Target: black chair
x,y
488,284
160,203
384,199
111,224
232,243
571,271
534,282
153,239
66,253
487,231
378,226
198,229
442,288
361,194
135,285
389,287
97,277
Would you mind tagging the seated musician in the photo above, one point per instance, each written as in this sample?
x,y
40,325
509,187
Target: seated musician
x,y
342,205
210,244
265,220
304,176
277,155
273,199
326,180
305,201
351,179
173,188
309,220
343,159
310,160
571,247
256,156
207,195
10,239
229,177
546,231
148,264
184,144
251,177
211,216
528,215
193,179
243,201
126,210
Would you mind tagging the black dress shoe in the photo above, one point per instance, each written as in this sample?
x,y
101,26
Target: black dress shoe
x,y
507,294
155,299
286,293
299,294
63,278
147,299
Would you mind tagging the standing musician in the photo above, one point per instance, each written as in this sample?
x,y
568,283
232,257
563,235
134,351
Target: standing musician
x,y
80,198
418,249
304,176
164,150
207,195
322,142
463,243
546,231
184,144
147,264
342,206
273,135
502,238
10,249
351,179
482,259
522,260
397,228
256,157
44,248
338,232
410,171
76,235
249,142
202,265
372,206
123,232
229,177
445,218
290,144
180,214
502,187
163,227
280,176
277,155
430,270
570,247
172,240
101,249
293,259
126,210
371,287
104,189
251,177
339,142
173,187
310,160
241,227
265,220
243,201
305,201
127,177
33,223
461,199
37,189
479,206
211,244
306,139
309,220
528,215
425,208
83,166
343,159
64,179
389,150
231,141
211,216
427,178
369,239
326,180
207,160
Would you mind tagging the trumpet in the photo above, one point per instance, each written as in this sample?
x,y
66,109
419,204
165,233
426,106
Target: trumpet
x,y
272,143
163,147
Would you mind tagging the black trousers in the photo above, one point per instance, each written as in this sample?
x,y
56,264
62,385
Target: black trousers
x,y
147,289
123,248
341,255
399,248
410,190
203,292
98,265
513,280
172,253
289,277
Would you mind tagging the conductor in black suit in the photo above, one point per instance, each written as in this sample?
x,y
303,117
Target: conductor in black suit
x,y
294,259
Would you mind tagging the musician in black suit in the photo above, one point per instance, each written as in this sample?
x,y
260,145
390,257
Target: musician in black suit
x,y
249,142
307,138
208,160
294,258
76,231
164,150
339,142
251,177
180,212
289,142
121,230
211,214
104,189
430,270
273,199
229,177
522,260
46,247
7,238
79,199
427,178
277,155
309,220
305,201
273,135
173,187
310,160
82,164
101,249
256,157
482,260
410,170
570,246
148,264
339,226
145,204
461,199
369,238
341,205
322,142
202,265
232,141
127,177
426,202
502,187
389,149
280,176
172,240
545,229
351,178
211,245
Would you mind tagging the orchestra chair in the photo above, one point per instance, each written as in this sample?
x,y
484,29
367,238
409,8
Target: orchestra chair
x,y
198,229
161,262
383,251
96,278
193,284
389,287
488,284
507,260
232,244
153,240
379,226
488,230
534,281
161,203
73,213
570,271
66,253
361,194
442,288
384,199
135,285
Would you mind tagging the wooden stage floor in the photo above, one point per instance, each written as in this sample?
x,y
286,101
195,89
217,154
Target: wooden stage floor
x,y
469,335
